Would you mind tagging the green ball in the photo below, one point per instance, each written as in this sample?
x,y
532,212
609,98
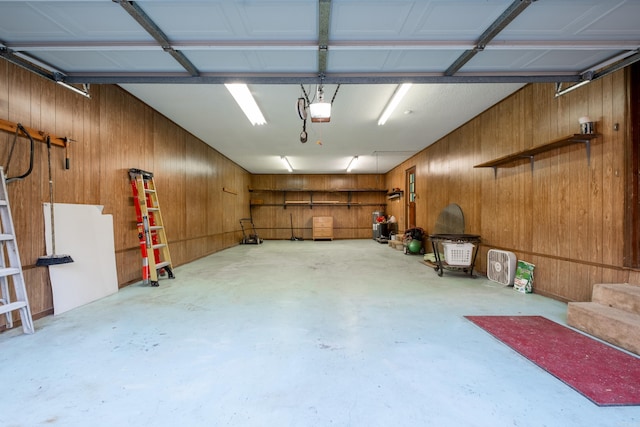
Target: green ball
x,y
415,246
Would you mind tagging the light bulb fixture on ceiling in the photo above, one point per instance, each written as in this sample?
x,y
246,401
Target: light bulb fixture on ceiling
x,y
286,163
245,100
320,111
399,93
352,163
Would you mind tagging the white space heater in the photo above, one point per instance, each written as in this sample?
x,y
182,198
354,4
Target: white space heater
x,y
501,266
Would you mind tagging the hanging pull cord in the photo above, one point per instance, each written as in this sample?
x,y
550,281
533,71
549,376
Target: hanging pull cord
x,y
335,93
305,94
20,128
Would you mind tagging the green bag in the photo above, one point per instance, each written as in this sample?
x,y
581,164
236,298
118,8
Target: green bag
x,y
523,281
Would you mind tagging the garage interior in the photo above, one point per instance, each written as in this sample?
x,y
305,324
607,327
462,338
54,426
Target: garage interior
x,y
339,330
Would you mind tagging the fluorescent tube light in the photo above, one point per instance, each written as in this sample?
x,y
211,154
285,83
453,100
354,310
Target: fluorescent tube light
x,y
572,87
286,163
245,100
352,163
75,89
400,92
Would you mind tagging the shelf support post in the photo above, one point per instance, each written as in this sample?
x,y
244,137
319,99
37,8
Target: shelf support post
x,y
588,148
531,161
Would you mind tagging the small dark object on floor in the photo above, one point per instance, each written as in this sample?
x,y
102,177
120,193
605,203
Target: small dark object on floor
x,y
252,238
294,238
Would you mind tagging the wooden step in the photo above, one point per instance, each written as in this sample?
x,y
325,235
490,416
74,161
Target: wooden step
x,y
618,295
614,325
162,265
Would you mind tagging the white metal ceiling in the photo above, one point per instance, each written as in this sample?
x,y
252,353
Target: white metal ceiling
x,y
465,54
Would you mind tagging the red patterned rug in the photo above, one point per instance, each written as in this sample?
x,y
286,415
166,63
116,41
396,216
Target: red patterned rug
x,y
603,374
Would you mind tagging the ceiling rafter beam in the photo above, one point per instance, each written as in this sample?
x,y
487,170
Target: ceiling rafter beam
x,y
150,27
324,20
515,9
222,45
310,78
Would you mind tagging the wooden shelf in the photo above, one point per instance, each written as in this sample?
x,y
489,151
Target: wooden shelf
x,y
311,203
306,190
532,152
319,203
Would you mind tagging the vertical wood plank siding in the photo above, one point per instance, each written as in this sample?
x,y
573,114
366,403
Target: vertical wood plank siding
x,y
567,216
114,132
350,222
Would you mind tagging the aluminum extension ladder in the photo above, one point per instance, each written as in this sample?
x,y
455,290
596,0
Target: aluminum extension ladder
x,y
11,268
156,259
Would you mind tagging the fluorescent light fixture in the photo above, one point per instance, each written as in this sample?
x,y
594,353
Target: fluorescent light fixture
x,y
286,163
400,92
75,89
57,75
352,163
561,92
245,100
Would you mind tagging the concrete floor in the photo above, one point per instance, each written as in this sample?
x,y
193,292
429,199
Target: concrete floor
x,y
341,333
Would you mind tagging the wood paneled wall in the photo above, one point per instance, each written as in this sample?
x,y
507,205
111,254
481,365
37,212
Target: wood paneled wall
x,y
273,220
114,132
567,216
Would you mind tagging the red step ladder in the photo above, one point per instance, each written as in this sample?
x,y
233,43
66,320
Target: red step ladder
x,y
156,259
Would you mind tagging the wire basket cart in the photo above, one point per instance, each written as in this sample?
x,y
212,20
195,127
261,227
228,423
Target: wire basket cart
x,y
460,252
